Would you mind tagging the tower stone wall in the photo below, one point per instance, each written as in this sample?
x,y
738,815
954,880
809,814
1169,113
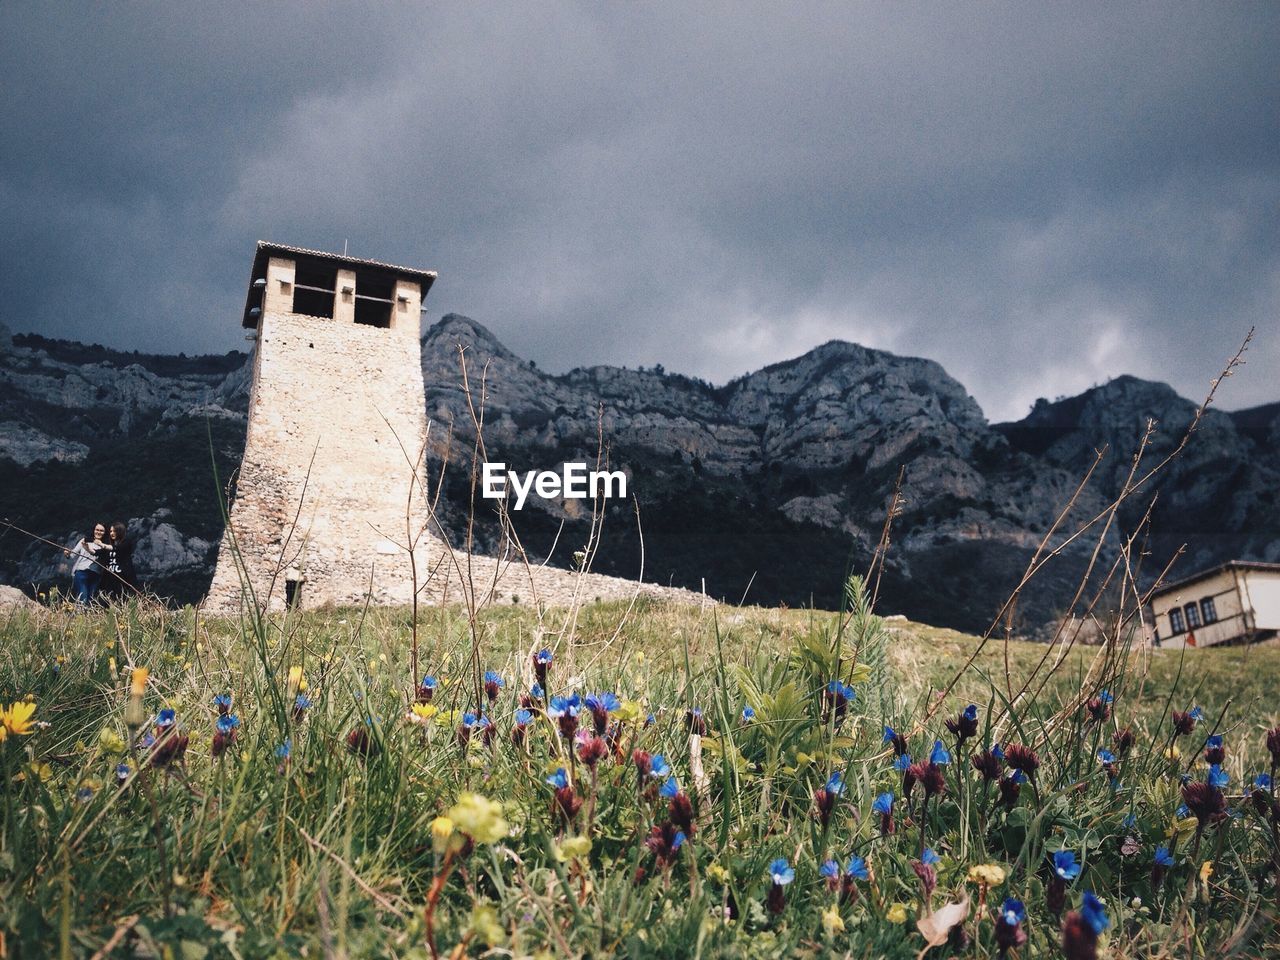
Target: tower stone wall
x,y
322,502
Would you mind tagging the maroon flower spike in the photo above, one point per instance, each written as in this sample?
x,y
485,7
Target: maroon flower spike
x,y
518,734
591,750
568,725
1009,791
565,804
1123,740
488,731
933,781
1215,754
361,743
681,812
824,802
1158,870
899,743
777,899
1055,895
1022,758
644,763
664,841
1009,936
1079,942
887,825
928,876
532,704
1099,709
962,727
169,749
463,735
987,764
910,777
220,743
425,693
1183,723
540,665
1205,801
1273,745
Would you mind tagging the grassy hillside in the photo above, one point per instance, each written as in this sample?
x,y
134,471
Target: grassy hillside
x,y
346,841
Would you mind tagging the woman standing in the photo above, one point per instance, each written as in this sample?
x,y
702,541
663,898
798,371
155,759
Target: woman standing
x,y
86,569
119,582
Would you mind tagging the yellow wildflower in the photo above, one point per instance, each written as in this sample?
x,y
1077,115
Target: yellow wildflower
x,y
479,818
16,720
1206,871
422,712
987,874
717,874
572,848
485,925
138,681
110,741
296,683
1172,752
441,832
897,913
832,922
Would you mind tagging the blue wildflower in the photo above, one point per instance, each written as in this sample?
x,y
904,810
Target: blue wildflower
x,y
1130,821
1163,857
1106,757
1262,781
1182,812
122,771
1018,776
523,717
829,869
223,702
564,707
835,783
1196,713
537,692
658,766
678,840
301,702
748,714
939,755
999,755
901,763
1214,741
857,868
285,750
1218,777
883,803
1013,912
929,857
166,718
429,683
543,657
780,872
1105,696
1065,866
971,712
1094,913
889,734
227,724
607,702
669,789
559,779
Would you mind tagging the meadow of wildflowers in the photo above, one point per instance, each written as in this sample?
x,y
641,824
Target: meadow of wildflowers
x,y
662,781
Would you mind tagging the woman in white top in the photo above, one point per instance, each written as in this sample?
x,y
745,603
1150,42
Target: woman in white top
x,y
86,566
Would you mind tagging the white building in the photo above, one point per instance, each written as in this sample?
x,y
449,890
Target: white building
x,y
1237,602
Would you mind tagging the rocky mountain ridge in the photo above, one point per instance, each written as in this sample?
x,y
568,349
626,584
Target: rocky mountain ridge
x,y
773,484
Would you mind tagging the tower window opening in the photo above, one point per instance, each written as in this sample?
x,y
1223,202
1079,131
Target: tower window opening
x,y
313,289
374,293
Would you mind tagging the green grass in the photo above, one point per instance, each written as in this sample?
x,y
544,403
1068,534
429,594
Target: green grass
x,y
332,852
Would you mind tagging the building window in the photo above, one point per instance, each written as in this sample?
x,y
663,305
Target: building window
x,y
1193,616
1175,620
374,297
1208,612
313,287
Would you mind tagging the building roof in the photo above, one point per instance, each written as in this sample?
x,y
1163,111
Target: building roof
x,y
1214,571
267,249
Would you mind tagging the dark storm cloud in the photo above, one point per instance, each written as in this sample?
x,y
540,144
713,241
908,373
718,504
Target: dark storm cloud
x,y
1038,201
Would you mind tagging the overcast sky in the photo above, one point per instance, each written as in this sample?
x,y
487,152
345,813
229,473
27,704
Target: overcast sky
x,y
1037,199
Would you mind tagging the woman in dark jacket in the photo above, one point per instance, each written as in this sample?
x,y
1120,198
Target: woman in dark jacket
x,y
120,581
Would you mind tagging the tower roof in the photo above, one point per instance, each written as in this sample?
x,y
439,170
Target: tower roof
x,y
266,250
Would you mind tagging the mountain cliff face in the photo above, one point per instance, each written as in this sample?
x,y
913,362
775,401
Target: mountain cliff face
x,y
771,486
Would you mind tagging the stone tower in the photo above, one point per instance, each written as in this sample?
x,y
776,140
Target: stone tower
x,y
337,421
